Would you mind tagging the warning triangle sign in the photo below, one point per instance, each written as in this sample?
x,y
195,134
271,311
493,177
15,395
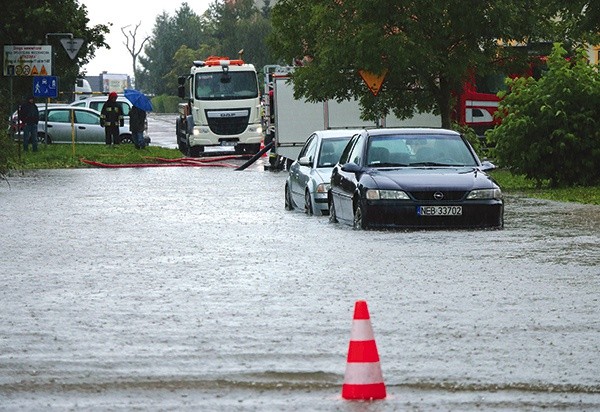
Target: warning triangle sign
x,y
372,80
43,71
34,71
72,46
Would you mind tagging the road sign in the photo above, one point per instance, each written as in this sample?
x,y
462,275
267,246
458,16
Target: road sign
x,y
72,46
45,86
372,80
23,60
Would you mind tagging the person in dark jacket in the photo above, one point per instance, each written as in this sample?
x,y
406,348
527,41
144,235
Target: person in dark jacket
x,y
30,116
137,124
111,118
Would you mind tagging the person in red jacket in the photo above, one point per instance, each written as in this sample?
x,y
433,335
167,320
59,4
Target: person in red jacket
x,y
111,119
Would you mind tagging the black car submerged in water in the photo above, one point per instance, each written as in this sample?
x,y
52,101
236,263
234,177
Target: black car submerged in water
x,y
413,178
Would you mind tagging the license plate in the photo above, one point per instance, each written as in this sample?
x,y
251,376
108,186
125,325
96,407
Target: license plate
x,y
439,210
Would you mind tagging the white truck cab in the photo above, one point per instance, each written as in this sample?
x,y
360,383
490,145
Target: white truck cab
x,y
223,107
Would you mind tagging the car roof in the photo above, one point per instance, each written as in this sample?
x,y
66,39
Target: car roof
x,y
103,98
411,131
332,133
66,106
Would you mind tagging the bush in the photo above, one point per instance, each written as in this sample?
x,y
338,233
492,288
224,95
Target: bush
x,y
165,103
7,148
550,127
470,135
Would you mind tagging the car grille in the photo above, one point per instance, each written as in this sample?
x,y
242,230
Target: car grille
x,y
429,195
228,125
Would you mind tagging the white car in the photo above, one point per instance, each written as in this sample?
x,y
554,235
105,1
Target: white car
x,y
97,102
308,179
60,124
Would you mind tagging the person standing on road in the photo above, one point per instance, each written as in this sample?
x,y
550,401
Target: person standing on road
x,y
137,124
30,116
111,118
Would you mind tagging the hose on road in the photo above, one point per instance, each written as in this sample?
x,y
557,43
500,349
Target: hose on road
x,y
162,162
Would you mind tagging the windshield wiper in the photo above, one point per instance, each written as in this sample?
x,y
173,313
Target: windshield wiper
x,y
428,164
388,164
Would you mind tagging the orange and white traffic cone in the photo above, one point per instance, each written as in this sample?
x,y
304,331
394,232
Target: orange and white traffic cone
x,y
363,378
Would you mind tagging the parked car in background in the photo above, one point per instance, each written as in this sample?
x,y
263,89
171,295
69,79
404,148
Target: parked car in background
x,y
413,178
308,179
97,103
16,125
86,125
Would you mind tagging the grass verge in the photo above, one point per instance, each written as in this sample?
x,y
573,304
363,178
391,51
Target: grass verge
x,y
518,184
60,156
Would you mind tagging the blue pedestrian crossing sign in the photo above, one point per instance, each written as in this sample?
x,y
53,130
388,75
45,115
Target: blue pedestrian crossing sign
x,y
45,86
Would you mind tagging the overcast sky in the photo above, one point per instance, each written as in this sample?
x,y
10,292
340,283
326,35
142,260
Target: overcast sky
x,y
122,13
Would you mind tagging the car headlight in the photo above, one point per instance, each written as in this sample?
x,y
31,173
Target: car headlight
x,y
374,194
322,188
485,194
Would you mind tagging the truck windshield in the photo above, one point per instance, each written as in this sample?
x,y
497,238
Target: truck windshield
x,y
230,86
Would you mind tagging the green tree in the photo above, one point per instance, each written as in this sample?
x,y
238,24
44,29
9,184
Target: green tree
x,y
240,25
29,23
185,28
428,48
550,127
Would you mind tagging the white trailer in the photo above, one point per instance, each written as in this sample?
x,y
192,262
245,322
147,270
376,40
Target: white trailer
x,y
292,120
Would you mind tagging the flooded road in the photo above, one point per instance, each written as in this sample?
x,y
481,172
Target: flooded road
x,y
193,289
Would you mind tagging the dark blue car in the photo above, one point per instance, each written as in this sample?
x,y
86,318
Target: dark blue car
x,y
413,178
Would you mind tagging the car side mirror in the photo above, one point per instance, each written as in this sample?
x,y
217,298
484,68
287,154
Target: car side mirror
x,y
351,168
486,166
305,161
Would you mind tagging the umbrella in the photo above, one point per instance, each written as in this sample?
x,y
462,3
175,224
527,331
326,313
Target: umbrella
x,y
138,99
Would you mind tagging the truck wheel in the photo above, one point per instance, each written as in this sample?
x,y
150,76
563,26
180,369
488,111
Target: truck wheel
x,y
194,151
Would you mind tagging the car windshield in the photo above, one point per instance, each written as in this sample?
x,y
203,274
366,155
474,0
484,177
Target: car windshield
x,y
331,150
221,86
418,150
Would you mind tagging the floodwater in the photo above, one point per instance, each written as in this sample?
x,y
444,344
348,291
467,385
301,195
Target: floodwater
x,y
193,289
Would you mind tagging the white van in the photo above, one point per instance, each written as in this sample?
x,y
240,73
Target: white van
x,y
83,89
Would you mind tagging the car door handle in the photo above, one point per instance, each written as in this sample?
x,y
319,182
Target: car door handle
x,y
81,127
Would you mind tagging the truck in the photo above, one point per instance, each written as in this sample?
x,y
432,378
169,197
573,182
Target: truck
x,y
223,107
290,121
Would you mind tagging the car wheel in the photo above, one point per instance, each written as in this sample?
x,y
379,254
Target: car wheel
x,y
308,207
359,218
332,214
126,138
289,205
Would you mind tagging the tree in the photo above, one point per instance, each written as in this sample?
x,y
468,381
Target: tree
x,y
240,25
130,43
185,28
30,22
550,128
427,48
